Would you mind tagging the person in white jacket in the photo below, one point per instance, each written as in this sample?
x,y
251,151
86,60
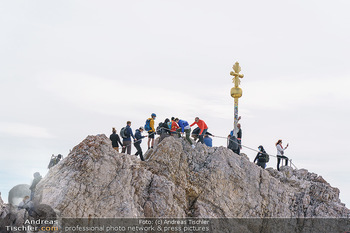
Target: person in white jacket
x,y
280,153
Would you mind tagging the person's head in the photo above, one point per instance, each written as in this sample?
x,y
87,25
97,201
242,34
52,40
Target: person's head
x,y
229,136
196,119
26,198
141,129
36,174
172,118
279,142
114,130
260,148
176,120
59,156
128,123
153,115
238,125
166,120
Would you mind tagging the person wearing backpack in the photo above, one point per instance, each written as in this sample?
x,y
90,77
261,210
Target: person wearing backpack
x,y
126,133
280,153
114,137
149,127
201,124
164,130
262,157
232,143
137,144
185,128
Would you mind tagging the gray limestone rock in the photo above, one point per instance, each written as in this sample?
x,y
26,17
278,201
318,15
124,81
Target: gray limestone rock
x,y
178,181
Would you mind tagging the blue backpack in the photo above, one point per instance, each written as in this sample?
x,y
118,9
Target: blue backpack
x,y
147,125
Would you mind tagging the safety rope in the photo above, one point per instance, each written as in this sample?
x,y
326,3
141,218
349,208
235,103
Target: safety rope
x,y
239,144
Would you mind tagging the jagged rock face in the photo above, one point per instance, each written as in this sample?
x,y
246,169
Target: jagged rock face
x,y
178,181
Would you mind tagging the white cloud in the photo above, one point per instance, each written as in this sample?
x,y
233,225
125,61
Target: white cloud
x,y
23,130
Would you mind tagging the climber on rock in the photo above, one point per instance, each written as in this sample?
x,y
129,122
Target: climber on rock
x,y
37,178
149,127
174,126
280,153
239,135
137,144
114,137
262,157
164,129
203,128
184,128
232,143
127,138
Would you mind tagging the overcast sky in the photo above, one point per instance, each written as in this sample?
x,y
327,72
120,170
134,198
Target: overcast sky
x,y
69,69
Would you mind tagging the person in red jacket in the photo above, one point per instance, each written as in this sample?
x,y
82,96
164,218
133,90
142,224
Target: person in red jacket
x,y
203,127
174,126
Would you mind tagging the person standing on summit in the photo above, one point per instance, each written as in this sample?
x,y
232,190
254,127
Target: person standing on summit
x,y
149,127
127,138
202,126
114,137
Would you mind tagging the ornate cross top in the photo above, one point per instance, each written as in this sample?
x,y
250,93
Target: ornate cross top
x,y
236,74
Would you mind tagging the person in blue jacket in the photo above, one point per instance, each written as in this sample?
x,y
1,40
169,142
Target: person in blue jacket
x,y
208,140
127,140
184,128
137,144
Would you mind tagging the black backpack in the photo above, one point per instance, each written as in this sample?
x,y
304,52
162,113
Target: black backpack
x,y
123,133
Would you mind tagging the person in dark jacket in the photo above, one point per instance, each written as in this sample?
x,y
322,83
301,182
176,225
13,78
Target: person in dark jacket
x,y
37,178
233,144
114,137
127,140
196,132
261,157
165,130
137,144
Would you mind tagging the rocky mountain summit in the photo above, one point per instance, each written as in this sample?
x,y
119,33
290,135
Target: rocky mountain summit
x,y
178,181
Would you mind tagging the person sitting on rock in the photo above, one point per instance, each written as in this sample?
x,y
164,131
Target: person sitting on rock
x,y
26,204
261,157
280,153
137,144
37,178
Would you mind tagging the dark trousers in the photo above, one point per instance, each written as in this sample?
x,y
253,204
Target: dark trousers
x,y
201,135
127,147
261,164
279,157
139,150
239,146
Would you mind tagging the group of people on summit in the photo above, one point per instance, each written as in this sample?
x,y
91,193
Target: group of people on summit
x,y
173,127
179,127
